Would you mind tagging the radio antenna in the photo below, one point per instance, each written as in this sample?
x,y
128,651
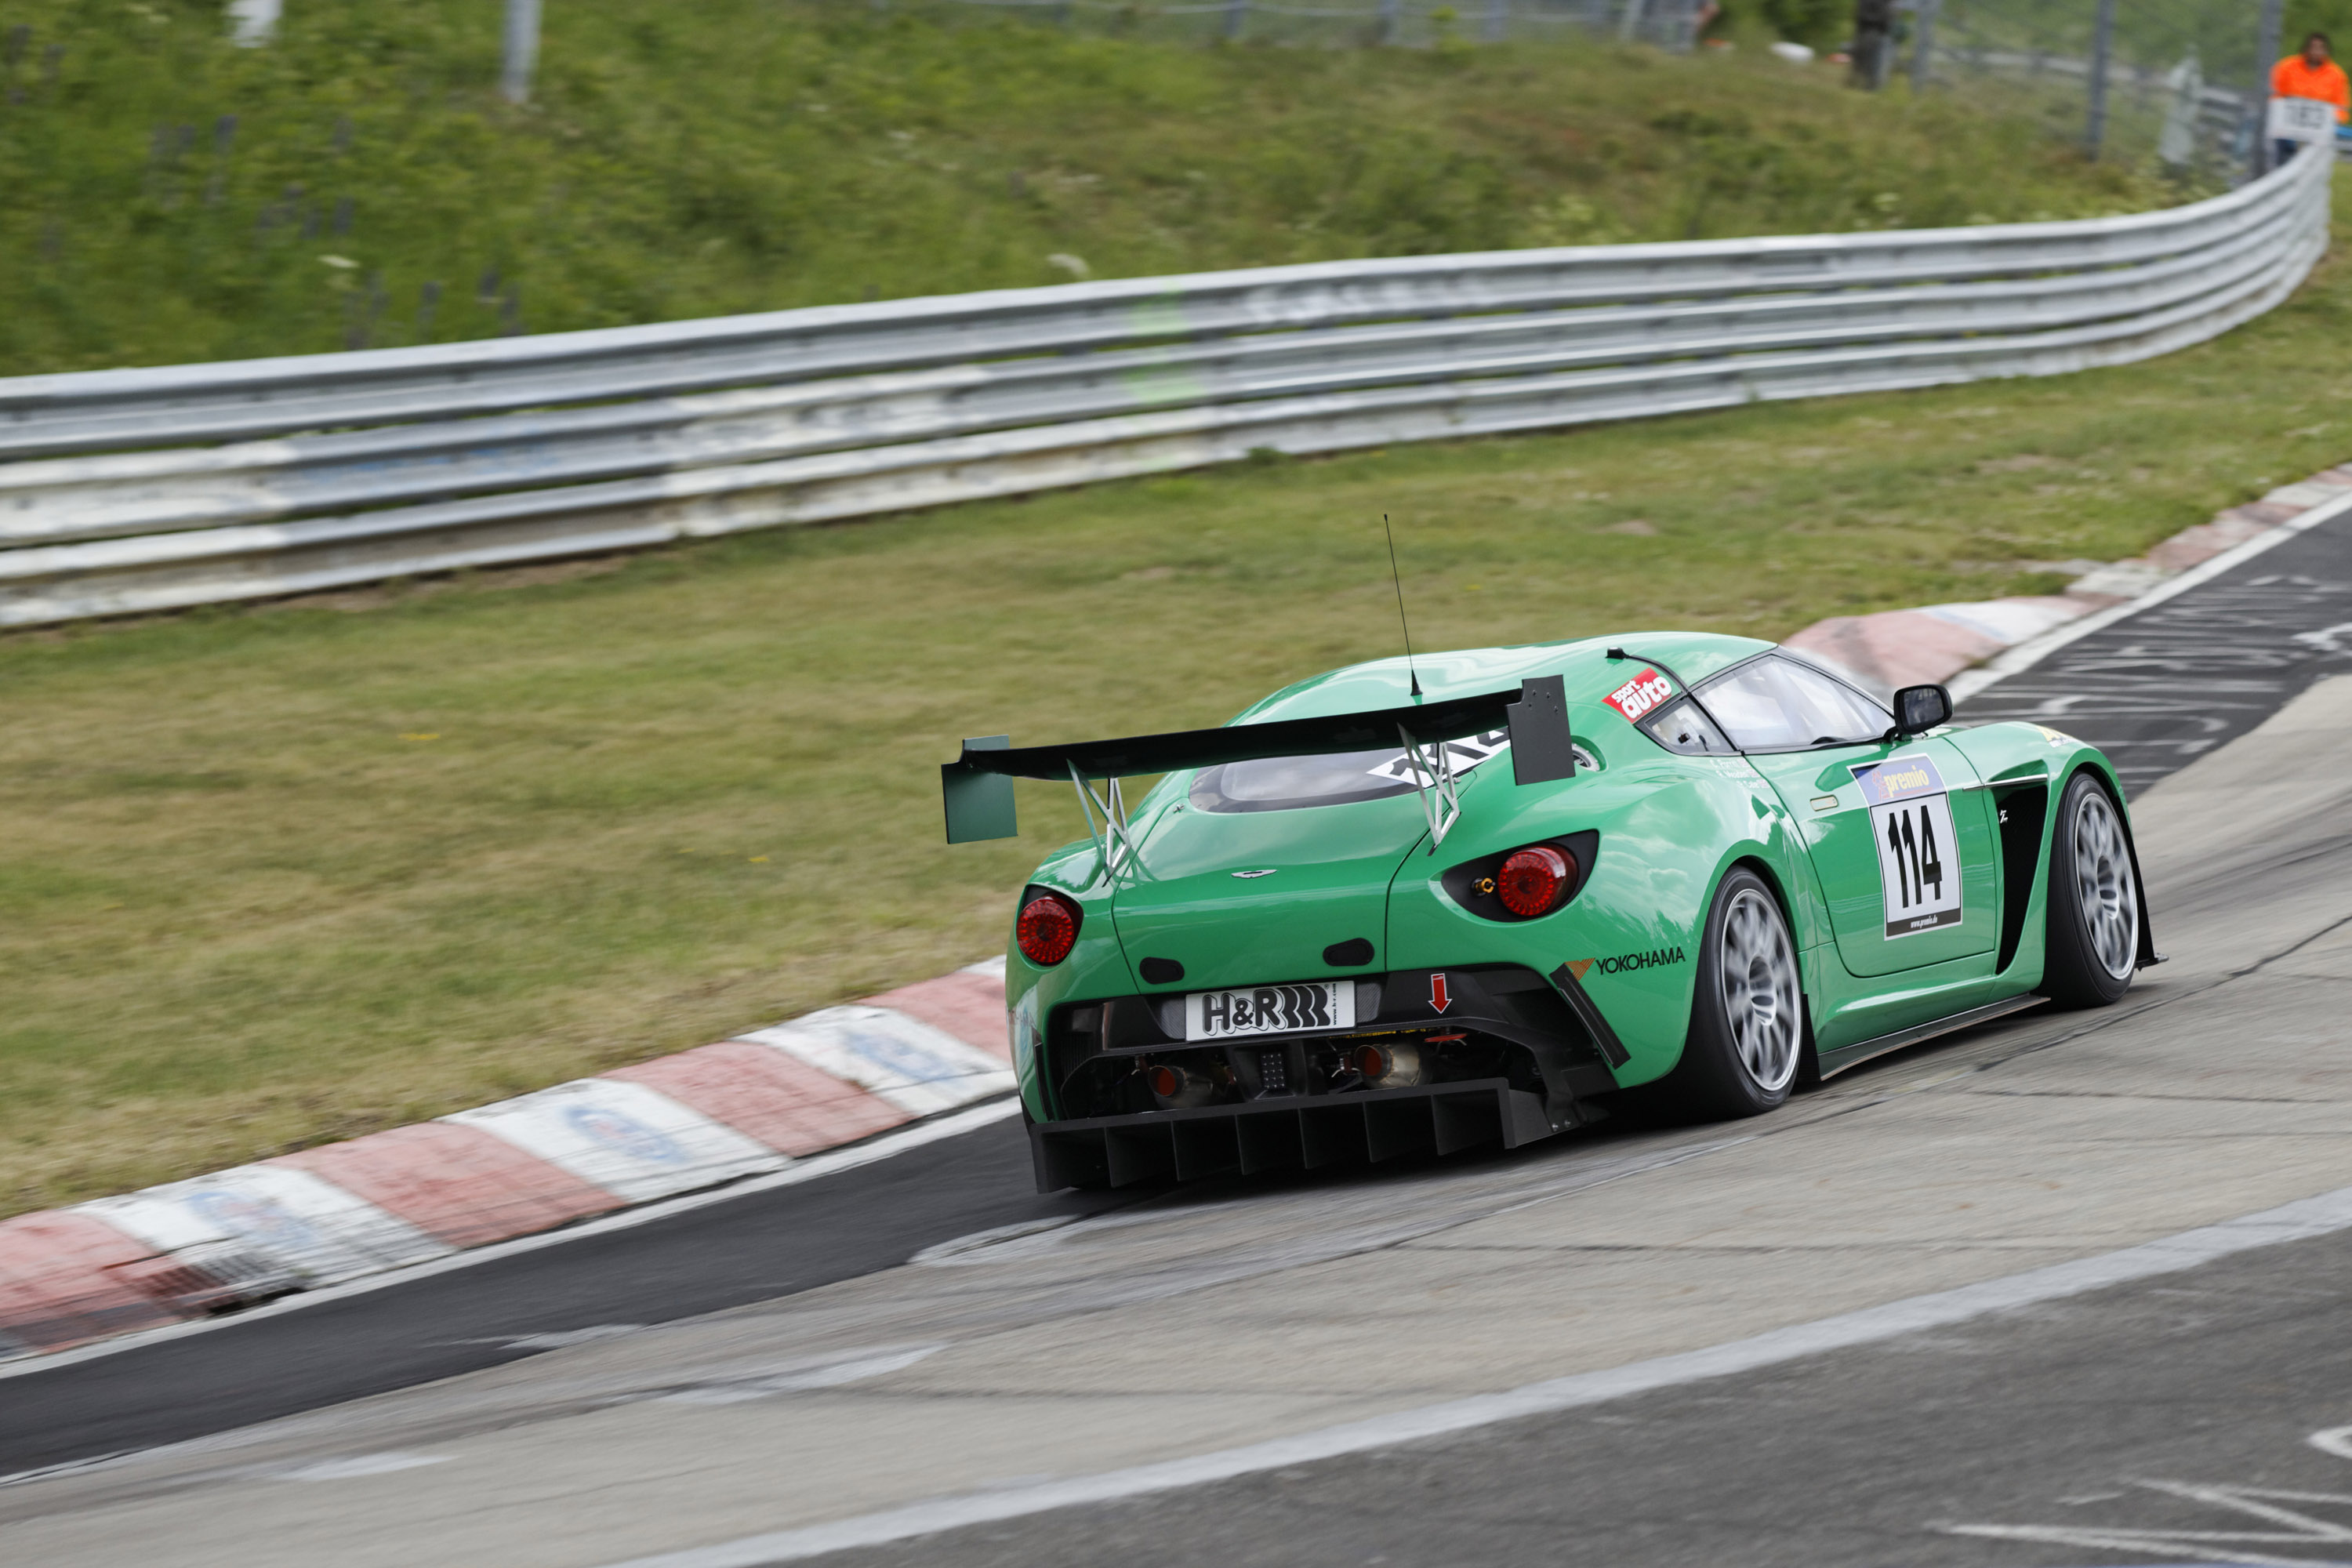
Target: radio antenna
x,y
1411,674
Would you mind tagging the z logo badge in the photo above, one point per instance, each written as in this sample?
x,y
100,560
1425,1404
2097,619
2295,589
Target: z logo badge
x,y
1267,872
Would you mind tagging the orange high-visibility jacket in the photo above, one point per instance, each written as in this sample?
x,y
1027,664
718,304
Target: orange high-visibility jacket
x,y
2293,79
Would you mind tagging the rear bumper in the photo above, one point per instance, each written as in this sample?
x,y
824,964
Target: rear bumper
x,y
1298,1132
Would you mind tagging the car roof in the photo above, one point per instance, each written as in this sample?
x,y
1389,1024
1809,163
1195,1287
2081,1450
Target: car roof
x,y
1464,672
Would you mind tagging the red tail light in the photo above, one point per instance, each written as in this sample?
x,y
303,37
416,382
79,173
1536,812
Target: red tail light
x,y
1047,929
1532,880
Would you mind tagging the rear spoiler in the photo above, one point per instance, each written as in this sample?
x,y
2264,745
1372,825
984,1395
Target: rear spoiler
x,y
978,785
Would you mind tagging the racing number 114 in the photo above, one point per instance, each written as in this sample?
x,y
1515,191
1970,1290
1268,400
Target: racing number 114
x,y
1918,866
1913,836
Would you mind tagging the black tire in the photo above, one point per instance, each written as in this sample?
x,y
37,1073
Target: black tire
x,y
1747,1045
2092,945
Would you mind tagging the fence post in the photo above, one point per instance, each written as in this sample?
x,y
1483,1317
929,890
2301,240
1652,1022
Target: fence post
x,y
1391,20
1629,25
2266,48
1873,43
1498,19
1923,48
522,49
2103,40
1236,14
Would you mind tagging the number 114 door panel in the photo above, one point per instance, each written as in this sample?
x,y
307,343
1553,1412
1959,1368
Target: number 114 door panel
x,y
1900,837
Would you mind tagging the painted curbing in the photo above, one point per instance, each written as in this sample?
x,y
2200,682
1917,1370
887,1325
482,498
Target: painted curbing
x,y
701,1119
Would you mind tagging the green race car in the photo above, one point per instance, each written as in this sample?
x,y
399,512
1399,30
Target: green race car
x,y
1381,913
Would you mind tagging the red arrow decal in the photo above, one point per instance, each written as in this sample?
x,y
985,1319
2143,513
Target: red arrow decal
x,y
1438,1000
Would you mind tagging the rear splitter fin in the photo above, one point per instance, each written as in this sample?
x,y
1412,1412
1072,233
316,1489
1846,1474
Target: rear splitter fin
x,y
1286,1134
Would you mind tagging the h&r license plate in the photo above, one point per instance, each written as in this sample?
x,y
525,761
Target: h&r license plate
x,y
1270,1010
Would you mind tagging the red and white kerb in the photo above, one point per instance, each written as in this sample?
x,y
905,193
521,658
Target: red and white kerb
x,y
1641,694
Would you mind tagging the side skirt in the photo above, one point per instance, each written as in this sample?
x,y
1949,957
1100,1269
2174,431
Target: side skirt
x,y
1853,1055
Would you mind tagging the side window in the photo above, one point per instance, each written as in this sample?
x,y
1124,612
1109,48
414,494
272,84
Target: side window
x,y
1776,704
1679,726
1831,709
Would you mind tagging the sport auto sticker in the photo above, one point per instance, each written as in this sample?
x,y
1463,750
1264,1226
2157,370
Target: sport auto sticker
x,y
1911,824
1640,695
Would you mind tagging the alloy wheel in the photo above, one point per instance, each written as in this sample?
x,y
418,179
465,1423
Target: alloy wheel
x,y
1759,989
2103,889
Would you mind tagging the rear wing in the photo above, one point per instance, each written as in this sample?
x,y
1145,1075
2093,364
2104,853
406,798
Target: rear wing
x,y
978,785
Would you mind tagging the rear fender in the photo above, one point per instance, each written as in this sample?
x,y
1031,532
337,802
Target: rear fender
x,y
1095,967
1669,828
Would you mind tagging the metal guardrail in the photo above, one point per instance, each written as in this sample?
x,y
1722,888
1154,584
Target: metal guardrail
x,y
331,469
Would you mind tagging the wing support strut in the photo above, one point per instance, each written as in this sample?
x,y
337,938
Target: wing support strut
x,y
1114,845
1434,780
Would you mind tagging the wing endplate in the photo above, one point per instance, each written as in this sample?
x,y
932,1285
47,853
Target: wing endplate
x,y
980,804
1542,750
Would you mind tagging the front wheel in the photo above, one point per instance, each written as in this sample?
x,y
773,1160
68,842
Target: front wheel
x,y
2094,922
1747,1020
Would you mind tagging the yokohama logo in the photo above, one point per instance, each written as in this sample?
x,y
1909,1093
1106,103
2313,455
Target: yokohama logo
x,y
1641,694
1650,960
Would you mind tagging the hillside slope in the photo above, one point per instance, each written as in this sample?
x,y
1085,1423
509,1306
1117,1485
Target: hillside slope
x,y
169,197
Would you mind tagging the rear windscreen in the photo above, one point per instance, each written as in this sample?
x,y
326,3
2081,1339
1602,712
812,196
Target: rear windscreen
x,y
1284,784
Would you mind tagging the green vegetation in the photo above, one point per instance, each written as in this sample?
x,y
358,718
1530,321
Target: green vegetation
x,y
276,875
169,197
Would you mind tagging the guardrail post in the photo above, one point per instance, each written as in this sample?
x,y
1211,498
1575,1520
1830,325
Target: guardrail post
x,y
1498,19
1391,20
1629,25
521,50
2103,40
1236,16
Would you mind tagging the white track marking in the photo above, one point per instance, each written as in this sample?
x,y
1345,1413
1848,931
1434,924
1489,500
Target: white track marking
x,y
855,1367
358,1465
808,1169
2324,1215
2028,654
2264,1505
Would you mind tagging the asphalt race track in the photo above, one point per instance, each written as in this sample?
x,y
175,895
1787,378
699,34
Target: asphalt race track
x,y
2170,1420
761,1366
2161,688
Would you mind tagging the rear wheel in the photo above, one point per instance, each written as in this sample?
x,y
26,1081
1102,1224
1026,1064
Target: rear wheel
x,y
1747,1037
2093,920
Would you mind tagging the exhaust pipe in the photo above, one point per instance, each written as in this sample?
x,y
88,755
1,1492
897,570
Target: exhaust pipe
x,y
1387,1066
1175,1088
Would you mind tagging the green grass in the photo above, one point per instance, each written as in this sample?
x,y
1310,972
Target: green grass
x,y
727,156
276,875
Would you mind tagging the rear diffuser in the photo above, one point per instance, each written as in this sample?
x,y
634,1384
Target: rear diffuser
x,y
1292,1133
